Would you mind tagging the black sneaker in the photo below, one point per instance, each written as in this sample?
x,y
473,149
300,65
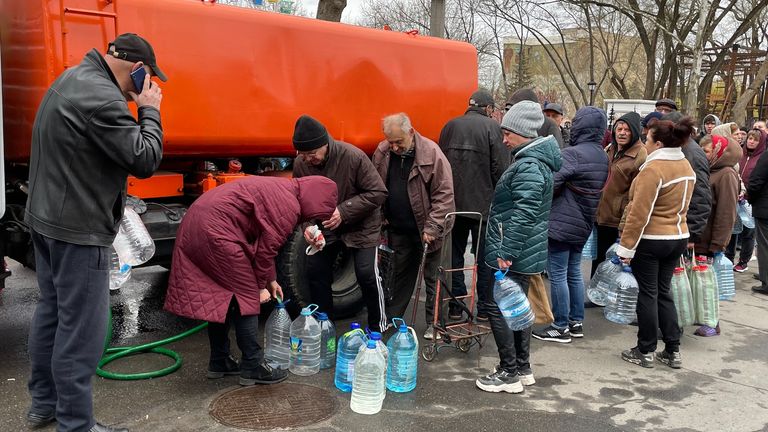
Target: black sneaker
x,y
760,289
553,334
671,359
576,329
39,420
455,312
229,367
500,381
526,377
634,355
263,374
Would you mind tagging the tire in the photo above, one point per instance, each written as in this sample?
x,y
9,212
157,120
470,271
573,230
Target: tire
x,y
347,296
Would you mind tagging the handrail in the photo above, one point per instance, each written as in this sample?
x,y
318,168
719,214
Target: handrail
x,y
82,12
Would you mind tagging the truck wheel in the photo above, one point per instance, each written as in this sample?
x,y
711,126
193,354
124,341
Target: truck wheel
x,y
347,297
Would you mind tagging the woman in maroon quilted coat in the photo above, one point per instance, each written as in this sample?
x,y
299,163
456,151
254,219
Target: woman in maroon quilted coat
x,y
224,262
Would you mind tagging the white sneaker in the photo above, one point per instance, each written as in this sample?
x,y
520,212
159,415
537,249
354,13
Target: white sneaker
x,y
429,333
526,377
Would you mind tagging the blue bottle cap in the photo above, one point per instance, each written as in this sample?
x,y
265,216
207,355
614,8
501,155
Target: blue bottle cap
x,y
322,316
309,310
354,326
499,275
280,305
375,336
371,344
627,269
616,260
403,328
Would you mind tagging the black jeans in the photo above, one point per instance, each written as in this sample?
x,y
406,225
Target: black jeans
x,y
747,241
462,227
606,237
514,346
408,252
319,273
761,235
246,333
653,265
66,337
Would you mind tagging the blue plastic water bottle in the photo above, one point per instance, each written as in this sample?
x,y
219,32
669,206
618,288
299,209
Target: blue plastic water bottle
x,y
726,285
403,358
347,349
513,303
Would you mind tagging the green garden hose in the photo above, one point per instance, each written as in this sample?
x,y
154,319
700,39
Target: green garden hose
x,y
112,354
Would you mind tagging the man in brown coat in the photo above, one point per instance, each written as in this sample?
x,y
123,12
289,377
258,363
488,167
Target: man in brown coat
x,y
356,222
420,183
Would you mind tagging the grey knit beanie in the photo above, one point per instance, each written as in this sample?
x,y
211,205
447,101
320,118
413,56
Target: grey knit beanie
x,y
524,118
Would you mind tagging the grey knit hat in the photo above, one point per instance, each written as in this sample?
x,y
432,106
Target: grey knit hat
x,y
524,118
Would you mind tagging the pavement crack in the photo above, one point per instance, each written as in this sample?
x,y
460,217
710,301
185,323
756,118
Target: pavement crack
x,y
718,378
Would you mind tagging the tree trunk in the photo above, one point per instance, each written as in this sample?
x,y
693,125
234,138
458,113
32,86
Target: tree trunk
x,y
691,97
437,18
330,10
739,110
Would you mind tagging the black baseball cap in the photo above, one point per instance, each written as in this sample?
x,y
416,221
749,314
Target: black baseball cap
x,y
482,98
134,48
554,107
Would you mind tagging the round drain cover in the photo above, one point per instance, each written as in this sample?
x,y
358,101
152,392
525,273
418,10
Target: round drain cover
x,y
283,405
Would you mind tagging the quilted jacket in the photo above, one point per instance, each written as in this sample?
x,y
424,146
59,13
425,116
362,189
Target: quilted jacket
x,y
578,183
227,243
519,215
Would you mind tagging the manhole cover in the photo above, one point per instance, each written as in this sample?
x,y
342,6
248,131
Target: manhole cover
x,y
273,406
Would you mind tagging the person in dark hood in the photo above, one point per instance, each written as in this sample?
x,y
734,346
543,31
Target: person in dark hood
x,y
754,146
710,122
626,154
549,127
701,202
577,188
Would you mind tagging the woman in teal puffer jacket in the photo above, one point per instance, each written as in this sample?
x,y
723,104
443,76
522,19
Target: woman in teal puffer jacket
x,y
516,239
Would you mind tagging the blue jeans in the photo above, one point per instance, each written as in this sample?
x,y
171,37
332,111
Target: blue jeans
x,y
566,283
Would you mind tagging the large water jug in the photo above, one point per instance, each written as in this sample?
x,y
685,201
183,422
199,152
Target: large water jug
x,y
327,341
682,297
133,243
705,298
119,273
623,310
600,286
347,350
744,211
305,343
278,329
589,253
368,389
403,361
726,285
611,252
513,303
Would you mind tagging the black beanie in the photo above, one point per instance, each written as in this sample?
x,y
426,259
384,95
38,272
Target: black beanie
x,y
309,134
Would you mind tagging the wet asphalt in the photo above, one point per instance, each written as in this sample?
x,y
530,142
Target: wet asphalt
x,y
582,386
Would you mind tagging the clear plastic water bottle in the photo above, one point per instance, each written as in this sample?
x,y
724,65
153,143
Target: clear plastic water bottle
x,y
624,309
682,297
599,287
327,341
744,211
705,298
381,347
278,328
347,350
368,389
513,303
133,243
589,253
726,285
119,273
403,361
305,343
611,252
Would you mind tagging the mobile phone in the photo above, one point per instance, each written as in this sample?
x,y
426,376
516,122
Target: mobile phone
x,y
138,78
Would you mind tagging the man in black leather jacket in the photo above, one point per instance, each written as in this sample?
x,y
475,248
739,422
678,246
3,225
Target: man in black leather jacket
x,y
85,142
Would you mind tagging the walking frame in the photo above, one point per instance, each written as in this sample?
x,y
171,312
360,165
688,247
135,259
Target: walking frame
x,y
464,333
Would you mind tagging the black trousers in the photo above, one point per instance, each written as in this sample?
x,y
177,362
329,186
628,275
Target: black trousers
x,y
246,334
606,237
761,235
319,273
653,265
66,337
514,346
747,241
462,227
408,252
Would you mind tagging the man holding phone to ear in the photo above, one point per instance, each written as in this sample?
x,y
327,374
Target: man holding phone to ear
x,y
85,142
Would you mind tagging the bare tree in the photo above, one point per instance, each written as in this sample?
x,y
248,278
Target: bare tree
x,y
330,10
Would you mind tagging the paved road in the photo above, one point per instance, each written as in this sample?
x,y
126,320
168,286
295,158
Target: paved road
x,y
583,386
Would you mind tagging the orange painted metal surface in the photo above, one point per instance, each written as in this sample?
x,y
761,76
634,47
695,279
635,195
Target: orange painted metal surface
x,y
162,184
238,78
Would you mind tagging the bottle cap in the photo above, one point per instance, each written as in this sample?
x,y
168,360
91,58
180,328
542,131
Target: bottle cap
x,y
499,275
627,269
371,344
354,326
375,336
616,260
679,270
403,328
309,310
322,316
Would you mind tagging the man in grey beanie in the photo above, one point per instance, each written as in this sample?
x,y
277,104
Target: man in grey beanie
x,y
516,239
